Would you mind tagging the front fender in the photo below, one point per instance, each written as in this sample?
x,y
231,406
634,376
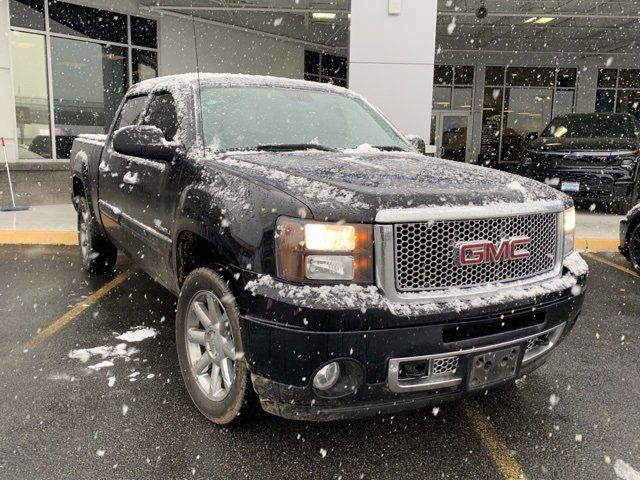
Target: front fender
x,y
237,217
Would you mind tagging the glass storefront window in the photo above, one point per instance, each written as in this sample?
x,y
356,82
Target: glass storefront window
x,y
144,65
563,102
32,100
526,111
607,78
27,14
629,102
441,98
87,22
605,100
89,73
144,32
89,81
462,98
532,97
449,92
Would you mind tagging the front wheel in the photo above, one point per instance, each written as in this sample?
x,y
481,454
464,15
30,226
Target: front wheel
x,y
634,247
98,254
213,367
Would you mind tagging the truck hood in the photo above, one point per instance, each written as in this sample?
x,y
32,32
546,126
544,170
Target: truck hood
x,y
355,186
550,144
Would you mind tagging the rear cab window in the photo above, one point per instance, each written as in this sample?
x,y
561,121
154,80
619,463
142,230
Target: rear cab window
x,y
131,111
162,114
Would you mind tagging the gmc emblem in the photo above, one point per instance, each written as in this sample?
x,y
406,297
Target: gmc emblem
x,y
484,251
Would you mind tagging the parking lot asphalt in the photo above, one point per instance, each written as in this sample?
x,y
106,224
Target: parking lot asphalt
x,y
576,417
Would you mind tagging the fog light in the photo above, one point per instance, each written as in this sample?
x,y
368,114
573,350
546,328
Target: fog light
x,y
327,376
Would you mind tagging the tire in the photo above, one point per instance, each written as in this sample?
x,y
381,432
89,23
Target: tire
x,y
98,254
634,247
209,344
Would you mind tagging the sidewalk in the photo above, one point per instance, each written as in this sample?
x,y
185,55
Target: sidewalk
x,y
56,224
41,224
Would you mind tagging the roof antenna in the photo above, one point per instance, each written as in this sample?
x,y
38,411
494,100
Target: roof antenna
x,y
195,43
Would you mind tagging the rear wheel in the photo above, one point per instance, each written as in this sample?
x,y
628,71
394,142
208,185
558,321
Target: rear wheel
x,y
97,253
634,247
209,348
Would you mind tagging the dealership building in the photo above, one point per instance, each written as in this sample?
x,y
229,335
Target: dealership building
x,y
477,89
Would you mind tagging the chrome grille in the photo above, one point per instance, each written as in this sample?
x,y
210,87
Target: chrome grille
x,y
442,366
426,256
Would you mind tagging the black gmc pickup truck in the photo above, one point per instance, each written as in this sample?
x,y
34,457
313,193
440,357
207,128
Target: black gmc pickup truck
x,y
320,260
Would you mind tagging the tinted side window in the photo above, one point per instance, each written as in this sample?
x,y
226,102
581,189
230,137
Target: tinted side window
x,y
131,111
162,114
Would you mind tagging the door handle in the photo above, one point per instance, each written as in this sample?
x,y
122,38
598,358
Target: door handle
x,y
131,178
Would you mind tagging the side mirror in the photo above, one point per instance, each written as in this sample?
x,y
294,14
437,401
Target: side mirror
x,y
418,143
144,141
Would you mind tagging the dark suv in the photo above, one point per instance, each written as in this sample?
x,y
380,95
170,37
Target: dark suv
x,y
593,157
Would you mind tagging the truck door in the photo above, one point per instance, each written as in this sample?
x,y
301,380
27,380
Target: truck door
x,y
113,198
153,198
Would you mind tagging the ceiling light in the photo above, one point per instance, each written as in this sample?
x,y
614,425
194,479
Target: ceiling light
x,y
544,20
323,16
532,19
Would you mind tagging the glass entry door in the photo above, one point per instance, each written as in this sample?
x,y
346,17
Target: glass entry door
x,y
450,132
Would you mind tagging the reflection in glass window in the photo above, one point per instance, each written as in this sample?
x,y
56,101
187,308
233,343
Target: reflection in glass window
x,y
89,81
27,14
605,100
563,102
144,65
527,111
325,68
462,97
144,32
30,90
629,102
131,111
441,98
87,22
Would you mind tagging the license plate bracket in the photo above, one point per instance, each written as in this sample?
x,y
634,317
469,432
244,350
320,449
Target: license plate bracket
x,y
570,186
492,367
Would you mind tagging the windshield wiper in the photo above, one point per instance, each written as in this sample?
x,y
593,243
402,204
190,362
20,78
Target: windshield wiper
x,y
292,147
390,148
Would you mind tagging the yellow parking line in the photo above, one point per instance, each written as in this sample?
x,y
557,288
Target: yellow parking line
x,y
611,264
508,466
38,237
78,309
597,244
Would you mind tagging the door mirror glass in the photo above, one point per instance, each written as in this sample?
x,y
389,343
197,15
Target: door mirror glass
x,y
417,143
144,141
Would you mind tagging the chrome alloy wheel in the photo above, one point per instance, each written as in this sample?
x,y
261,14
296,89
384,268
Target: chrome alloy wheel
x,y
83,233
210,347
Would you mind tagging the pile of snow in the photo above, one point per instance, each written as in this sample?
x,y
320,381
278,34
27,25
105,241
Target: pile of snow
x,y
108,353
137,334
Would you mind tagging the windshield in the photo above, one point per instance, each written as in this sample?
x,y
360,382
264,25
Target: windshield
x,y
591,126
251,117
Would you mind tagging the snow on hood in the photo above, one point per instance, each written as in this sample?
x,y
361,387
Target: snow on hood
x,y
356,185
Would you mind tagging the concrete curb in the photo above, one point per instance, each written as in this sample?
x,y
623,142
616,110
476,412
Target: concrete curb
x,y
44,237
38,237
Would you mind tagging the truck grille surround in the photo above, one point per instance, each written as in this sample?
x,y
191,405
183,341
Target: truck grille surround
x,y
426,252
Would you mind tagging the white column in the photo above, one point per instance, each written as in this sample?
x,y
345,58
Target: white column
x,y
7,101
391,59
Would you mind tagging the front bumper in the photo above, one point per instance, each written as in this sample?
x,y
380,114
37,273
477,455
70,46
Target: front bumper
x,y
606,186
284,351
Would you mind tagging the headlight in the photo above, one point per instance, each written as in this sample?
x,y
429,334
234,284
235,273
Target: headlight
x,y
320,252
628,163
569,219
